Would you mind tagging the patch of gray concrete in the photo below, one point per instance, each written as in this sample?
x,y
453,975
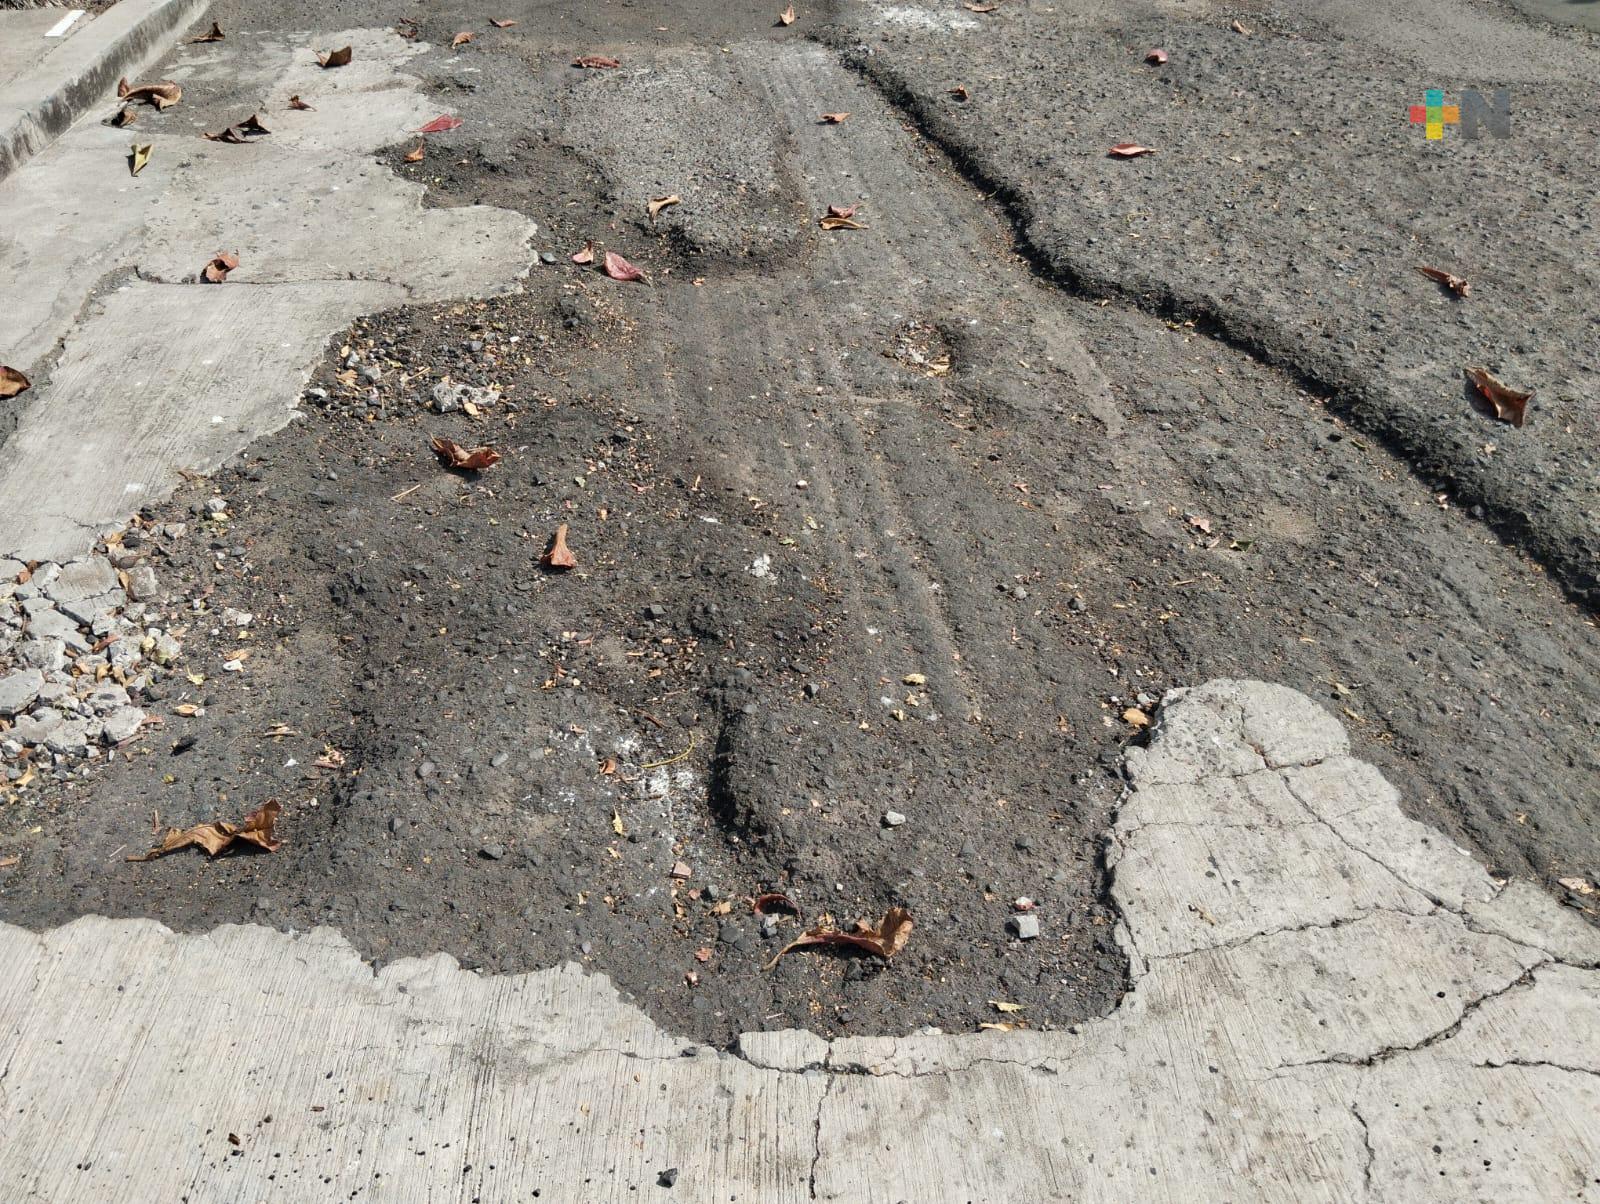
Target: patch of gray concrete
x,y
1328,1003
161,373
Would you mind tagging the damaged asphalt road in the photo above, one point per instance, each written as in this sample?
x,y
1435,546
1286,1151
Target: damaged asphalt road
x,y
902,519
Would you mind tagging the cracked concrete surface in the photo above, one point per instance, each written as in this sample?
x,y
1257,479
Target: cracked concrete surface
x,y
1328,1002
153,373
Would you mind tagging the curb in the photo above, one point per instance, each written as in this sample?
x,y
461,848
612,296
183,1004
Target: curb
x,y
36,107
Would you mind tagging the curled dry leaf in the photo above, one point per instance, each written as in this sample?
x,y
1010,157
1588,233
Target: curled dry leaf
x,y
1454,283
331,758
139,157
596,61
771,902
296,103
162,95
125,116
1134,717
12,382
1129,150
584,254
840,217
661,202
980,8
406,27
232,134
217,270
441,125
842,210
1156,56
452,455
252,125
414,155
786,17
833,118
219,836
619,268
337,58
498,24
960,92
559,556
214,34
884,940
1509,405
1240,27
461,39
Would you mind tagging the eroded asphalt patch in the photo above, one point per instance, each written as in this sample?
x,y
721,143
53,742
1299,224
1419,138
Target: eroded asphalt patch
x,y
868,522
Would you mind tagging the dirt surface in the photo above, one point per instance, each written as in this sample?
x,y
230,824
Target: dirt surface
x,y
867,521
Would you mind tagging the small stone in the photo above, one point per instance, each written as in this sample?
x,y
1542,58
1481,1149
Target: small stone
x,y
667,1177
1019,593
729,934
18,690
711,893
893,819
53,625
1026,926
769,926
499,759
370,373
1077,605
106,698
493,852
681,870
811,689
216,505
548,257
1023,903
655,613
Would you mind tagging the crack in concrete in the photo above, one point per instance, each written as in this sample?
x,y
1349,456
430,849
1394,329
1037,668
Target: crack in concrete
x,y
1536,1064
1372,1153
816,1141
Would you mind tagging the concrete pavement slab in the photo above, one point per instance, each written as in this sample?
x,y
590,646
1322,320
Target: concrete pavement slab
x,y
1383,1053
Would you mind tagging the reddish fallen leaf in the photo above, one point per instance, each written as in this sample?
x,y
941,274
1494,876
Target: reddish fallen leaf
x,y
585,254
452,455
441,125
833,118
1157,56
220,836
619,268
232,134
214,34
1454,283
414,155
162,95
12,382
786,17
217,270
960,92
125,116
1129,150
596,61
884,940
461,39
1240,27
702,954
661,202
773,901
335,58
1509,405
252,125
559,556
296,103
840,217
501,24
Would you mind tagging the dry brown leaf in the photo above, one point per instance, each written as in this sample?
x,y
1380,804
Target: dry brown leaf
x,y
608,767
217,270
584,254
1134,717
214,34
252,125
1240,27
786,17
498,24
139,157
840,217
1156,56
980,8
219,836
336,58
461,39
833,118
558,555
773,901
296,103
331,758
1454,283
452,455
1129,150
125,116
12,382
406,27
7,862
661,202
162,95
616,824
441,125
596,61
1509,405
414,155
702,954
1001,1005
960,92
619,268
884,940
232,134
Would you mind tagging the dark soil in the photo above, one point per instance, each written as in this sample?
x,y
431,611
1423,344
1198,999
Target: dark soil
x,y
867,521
